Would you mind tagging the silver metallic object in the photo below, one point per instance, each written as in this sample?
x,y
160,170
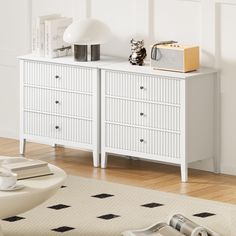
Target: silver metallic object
x,y
81,52
95,52
189,228
138,52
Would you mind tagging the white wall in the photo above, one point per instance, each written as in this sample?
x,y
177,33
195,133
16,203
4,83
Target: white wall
x,y
209,23
226,14
14,40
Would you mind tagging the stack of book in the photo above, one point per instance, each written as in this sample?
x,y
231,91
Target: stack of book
x,y
47,36
27,168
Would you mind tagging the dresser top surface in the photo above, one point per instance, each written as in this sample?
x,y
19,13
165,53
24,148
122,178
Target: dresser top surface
x,y
119,64
69,60
148,70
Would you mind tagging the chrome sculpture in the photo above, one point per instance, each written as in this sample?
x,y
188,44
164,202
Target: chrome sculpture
x,y
138,52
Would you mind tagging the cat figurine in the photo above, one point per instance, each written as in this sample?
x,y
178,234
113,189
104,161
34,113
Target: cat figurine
x,y
138,52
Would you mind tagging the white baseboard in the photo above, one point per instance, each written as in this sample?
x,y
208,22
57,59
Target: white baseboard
x,y
228,169
206,165
9,134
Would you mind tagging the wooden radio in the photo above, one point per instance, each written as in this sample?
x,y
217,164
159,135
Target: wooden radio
x,y
174,57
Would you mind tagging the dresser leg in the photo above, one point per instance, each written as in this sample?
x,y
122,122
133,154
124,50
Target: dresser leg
x,y
96,159
184,172
103,160
22,146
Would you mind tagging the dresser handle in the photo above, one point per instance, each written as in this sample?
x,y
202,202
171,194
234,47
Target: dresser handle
x,y
57,77
57,127
141,114
57,102
141,87
141,140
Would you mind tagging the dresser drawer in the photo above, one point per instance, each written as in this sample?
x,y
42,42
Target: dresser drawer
x,y
58,76
142,140
152,115
142,87
58,102
56,127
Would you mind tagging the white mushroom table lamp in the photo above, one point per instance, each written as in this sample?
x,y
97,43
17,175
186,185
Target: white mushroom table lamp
x,y
84,33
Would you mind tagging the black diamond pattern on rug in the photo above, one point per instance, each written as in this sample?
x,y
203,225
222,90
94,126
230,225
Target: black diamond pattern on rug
x,y
108,216
152,205
63,186
204,214
102,195
13,218
59,207
63,229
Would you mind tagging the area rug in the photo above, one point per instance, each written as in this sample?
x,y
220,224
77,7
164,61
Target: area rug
x,y
87,207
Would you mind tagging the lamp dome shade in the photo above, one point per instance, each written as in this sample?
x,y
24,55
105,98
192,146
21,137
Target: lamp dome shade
x,y
87,32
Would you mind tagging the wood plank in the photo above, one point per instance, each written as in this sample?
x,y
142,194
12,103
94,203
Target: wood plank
x,y
150,175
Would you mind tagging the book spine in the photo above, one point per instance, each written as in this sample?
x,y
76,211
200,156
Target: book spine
x,y
28,167
37,40
33,171
41,39
32,176
34,39
48,39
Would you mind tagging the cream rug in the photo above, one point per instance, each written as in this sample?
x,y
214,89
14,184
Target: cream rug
x,y
87,207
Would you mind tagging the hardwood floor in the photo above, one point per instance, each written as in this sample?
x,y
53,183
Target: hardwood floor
x,y
161,177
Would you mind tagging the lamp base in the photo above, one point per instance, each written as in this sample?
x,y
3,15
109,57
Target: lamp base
x,y
81,52
95,52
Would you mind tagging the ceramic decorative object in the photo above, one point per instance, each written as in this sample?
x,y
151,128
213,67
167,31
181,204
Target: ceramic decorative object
x,y
138,52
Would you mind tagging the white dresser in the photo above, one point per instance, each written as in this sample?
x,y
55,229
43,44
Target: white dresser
x,y
60,102
158,115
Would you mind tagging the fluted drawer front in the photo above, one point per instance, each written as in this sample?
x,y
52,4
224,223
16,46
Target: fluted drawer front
x,y
143,140
58,76
58,102
151,115
142,87
56,127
